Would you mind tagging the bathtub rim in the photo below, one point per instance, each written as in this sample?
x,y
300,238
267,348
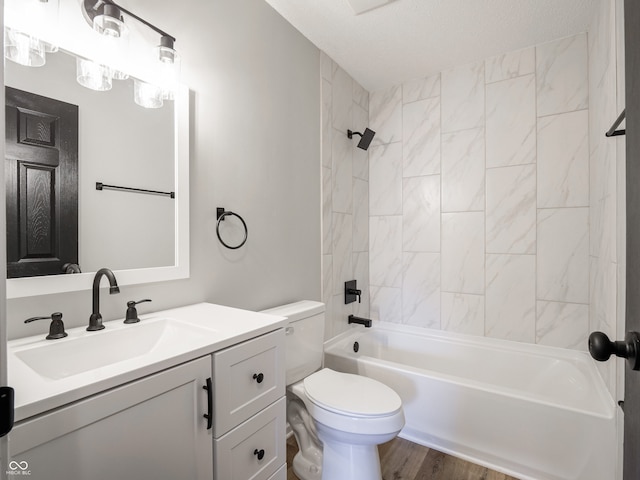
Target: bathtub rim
x,y
606,400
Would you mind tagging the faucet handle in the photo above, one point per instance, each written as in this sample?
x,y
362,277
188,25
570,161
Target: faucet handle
x,y
56,329
132,313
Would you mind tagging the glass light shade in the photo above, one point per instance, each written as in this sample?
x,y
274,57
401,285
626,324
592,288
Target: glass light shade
x,y
168,70
24,49
147,95
109,23
93,75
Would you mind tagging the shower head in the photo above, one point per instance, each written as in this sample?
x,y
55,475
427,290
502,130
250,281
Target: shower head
x,y
365,138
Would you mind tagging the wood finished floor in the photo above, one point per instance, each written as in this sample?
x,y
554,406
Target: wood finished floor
x,y
403,460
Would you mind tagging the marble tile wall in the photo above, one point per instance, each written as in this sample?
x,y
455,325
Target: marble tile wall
x,y
346,184
606,184
480,199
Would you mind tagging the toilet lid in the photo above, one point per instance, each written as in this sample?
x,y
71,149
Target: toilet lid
x,y
351,394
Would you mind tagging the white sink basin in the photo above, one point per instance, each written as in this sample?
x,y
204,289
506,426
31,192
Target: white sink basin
x,y
58,359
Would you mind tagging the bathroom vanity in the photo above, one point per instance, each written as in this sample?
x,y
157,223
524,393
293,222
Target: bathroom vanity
x,y
196,392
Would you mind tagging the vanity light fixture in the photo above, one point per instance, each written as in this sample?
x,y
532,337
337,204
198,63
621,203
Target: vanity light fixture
x,y
30,31
108,19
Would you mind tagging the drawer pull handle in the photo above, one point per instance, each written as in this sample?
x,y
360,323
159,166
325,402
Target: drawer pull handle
x,y
258,377
259,453
209,415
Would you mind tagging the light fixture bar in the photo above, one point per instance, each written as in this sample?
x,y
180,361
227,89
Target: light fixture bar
x,y
91,9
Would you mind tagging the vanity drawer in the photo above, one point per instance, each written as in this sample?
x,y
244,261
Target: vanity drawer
x,y
237,454
248,377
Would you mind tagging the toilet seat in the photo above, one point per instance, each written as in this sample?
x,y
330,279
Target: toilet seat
x,y
370,417
349,394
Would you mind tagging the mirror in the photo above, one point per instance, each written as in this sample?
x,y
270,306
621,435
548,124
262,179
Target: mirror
x,y
142,237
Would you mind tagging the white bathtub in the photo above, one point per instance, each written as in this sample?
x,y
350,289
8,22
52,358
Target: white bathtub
x,y
529,411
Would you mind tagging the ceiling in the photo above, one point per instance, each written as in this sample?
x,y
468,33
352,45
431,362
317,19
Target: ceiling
x,y
407,39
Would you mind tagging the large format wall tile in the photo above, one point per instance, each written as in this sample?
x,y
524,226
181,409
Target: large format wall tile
x,y
563,255
327,288
511,209
462,313
562,75
342,103
327,123
564,325
327,211
463,97
511,122
342,250
340,315
563,160
345,194
463,252
510,311
360,215
360,156
421,137
421,214
385,115
510,65
385,251
360,96
342,174
386,304
385,180
421,88
421,289
326,66
463,171
479,200
361,275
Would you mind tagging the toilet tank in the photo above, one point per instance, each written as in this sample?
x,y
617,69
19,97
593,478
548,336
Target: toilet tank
x,y
304,337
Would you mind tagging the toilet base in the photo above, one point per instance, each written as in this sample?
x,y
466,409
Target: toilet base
x,y
350,462
305,469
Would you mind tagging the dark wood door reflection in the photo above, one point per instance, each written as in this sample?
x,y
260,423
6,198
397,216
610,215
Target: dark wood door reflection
x,y
41,169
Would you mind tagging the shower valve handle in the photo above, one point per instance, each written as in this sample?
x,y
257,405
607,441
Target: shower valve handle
x,y
356,292
601,348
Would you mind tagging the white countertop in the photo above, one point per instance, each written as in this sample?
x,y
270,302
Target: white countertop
x,y
216,327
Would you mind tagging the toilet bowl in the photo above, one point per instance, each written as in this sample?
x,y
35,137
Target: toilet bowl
x,y
351,416
338,419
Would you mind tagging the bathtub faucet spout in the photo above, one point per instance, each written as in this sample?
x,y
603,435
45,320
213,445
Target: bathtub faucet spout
x,y
362,321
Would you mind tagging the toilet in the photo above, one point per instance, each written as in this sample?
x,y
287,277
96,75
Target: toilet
x,y
338,419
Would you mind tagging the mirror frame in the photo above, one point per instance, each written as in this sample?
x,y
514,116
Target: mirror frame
x,y
52,284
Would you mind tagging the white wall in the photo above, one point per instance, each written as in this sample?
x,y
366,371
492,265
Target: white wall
x,y
255,149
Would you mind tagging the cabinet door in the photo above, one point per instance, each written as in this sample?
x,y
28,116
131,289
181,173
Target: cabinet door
x,y
152,428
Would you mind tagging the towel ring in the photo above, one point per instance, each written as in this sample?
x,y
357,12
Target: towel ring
x,y
222,213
